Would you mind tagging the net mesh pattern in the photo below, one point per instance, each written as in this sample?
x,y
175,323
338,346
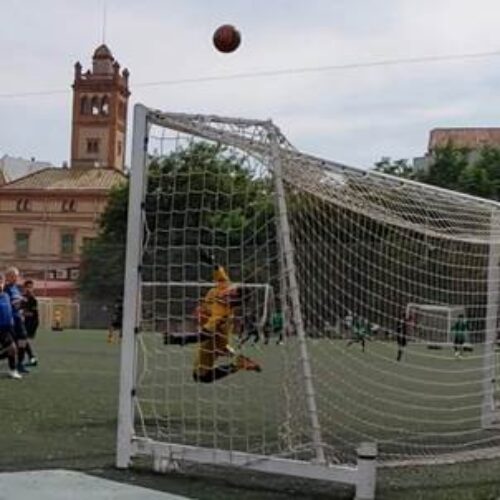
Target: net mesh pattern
x,y
362,248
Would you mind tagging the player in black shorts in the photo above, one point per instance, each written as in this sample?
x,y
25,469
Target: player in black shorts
x,y
401,336
115,324
251,329
30,309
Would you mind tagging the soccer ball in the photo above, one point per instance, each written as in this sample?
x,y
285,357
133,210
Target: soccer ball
x,y
226,38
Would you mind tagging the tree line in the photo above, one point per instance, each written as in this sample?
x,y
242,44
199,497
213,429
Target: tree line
x,y
474,172
206,197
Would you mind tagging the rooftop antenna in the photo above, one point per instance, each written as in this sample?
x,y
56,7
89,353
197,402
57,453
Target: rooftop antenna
x,y
104,20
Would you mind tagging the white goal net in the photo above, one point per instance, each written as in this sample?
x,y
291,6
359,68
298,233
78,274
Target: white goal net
x,y
315,242
58,313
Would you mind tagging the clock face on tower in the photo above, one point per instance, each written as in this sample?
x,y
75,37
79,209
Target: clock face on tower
x,y
100,102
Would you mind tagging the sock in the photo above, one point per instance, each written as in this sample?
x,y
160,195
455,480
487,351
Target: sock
x,y
11,358
20,355
29,351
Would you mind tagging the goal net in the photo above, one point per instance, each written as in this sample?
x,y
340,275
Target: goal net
x,y
324,242
433,324
64,312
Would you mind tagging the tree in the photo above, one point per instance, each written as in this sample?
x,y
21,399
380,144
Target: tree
x,y
202,196
399,168
447,165
103,259
459,169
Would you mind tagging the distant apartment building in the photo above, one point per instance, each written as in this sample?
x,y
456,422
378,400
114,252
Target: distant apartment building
x,y
472,138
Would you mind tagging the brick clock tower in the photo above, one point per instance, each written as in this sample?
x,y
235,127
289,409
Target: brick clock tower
x,y
100,100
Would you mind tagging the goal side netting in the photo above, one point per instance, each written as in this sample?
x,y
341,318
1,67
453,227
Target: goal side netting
x,y
309,243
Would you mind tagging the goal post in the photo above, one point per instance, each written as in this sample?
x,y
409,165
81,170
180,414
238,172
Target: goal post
x,y
280,437
490,408
307,242
131,297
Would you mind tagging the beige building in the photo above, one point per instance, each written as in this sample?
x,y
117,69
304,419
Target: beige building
x,y
46,216
473,138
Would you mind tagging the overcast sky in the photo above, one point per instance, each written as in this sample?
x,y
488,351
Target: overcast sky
x,y
354,116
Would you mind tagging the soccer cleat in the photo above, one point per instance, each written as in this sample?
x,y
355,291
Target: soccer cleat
x,y
32,362
244,363
14,374
22,369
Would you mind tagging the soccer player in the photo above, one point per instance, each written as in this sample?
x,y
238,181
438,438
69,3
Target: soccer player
x,y
401,334
459,331
216,318
116,320
31,318
250,329
16,301
7,344
360,331
277,325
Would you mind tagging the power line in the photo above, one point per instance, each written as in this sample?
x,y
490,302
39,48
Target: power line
x,y
283,72
319,69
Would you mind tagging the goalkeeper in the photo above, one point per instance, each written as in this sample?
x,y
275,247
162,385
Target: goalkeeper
x,y
216,319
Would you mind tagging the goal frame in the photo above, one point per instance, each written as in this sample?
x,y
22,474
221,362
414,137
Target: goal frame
x,y
413,306
362,476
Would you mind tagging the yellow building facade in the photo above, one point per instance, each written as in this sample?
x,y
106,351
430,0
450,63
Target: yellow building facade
x,y
46,217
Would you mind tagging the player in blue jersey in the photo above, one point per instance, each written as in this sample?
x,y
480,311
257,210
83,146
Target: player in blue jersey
x,y
7,345
20,334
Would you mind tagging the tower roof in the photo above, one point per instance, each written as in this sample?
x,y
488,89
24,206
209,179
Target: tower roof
x,y
103,52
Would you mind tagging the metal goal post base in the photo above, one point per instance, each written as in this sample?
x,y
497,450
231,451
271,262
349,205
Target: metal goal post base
x,y
167,456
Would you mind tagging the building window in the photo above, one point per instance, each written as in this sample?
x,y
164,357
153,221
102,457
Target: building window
x,y
87,241
23,205
105,106
119,148
61,274
68,206
92,145
67,244
95,106
84,106
22,242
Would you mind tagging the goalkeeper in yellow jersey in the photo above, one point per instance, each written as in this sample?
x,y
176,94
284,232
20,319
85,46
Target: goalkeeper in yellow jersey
x,y
216,319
